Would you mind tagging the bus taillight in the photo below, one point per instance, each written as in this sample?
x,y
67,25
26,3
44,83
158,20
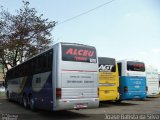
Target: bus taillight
x,y
146,88
98,91
125,89
118,89
58,93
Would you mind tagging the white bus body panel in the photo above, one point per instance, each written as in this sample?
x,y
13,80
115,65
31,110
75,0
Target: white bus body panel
x,y
78,82
125,72
152,81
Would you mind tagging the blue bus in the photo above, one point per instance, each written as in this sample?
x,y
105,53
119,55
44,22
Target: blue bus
x,y
132,77
61,78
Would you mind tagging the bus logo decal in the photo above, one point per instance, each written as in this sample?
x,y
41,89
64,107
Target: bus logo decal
x,y
81,52
105,68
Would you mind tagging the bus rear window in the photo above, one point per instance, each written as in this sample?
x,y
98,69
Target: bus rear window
x,y
79,53
107,64
135,66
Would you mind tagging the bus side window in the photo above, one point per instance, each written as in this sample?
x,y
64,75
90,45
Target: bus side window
x,y
50,58
38,80
10,74
41,64
120,69
17,71
44,63
38,65
29,70
33,66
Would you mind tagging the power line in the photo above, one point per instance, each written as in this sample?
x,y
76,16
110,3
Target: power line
x,y
69,19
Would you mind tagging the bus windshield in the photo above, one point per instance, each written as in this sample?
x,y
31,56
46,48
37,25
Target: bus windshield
x,y
135,66
78,53
107,64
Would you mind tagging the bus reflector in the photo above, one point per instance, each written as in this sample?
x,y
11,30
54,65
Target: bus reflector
x,y
58,93
125,89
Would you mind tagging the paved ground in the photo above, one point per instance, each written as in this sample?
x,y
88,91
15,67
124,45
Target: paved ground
x,y
148,107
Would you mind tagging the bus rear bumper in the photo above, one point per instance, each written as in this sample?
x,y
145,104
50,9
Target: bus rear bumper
x,y
134,95
109,98
68,104
154,94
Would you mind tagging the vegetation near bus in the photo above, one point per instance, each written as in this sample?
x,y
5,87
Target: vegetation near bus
x,y
2,92
23,34
67,76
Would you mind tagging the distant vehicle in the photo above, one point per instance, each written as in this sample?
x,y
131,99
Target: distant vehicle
x,y
108,79
132,79
152,81
63,77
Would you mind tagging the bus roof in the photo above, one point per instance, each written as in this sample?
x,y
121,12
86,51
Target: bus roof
x,y
134,60
51,47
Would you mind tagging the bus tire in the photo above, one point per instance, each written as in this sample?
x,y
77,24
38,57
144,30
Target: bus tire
x,y
32,103
143,99
25,101
8,96
118,101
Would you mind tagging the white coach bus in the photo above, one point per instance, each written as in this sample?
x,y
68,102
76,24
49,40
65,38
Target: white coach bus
x,y
63,77
152,81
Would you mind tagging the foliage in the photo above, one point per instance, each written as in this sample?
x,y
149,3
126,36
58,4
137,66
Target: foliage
x,y
23,34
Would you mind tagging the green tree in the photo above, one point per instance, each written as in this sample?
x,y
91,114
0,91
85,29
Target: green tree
x,y
23,34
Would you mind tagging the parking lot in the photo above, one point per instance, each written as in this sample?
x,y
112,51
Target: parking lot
x,y
150,108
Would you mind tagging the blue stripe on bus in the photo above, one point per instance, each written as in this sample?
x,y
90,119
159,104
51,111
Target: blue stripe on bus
x,y
46,91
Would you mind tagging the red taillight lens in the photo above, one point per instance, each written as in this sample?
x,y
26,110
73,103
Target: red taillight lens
x,y
146,88
58,92
98,91
118,89
125,89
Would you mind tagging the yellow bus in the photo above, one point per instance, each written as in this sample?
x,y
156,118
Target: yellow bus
x,y
108,79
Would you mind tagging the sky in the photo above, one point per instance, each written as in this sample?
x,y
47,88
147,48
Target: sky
x,y
122,29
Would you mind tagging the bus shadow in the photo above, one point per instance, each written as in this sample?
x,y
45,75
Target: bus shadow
x,y
65,115
44,114
153,97
109,104
146,99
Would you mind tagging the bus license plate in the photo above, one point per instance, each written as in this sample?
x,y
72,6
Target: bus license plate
x,y
106,91
80,105
136,97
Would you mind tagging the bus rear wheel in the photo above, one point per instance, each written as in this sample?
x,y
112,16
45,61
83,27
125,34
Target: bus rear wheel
x,y
32,103
8,96
118,101
25,101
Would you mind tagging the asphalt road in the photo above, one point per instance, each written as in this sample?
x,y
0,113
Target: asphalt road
x,y
149,108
